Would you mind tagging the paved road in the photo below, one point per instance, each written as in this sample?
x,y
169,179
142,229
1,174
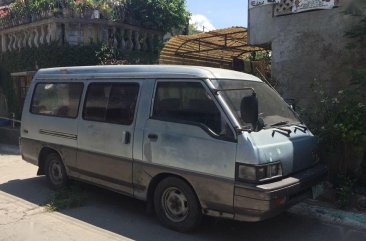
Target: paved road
x,y
109,216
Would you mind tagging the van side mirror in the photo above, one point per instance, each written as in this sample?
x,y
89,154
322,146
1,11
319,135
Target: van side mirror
x,y
249,109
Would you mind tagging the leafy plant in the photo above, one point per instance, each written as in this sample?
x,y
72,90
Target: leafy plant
x,y
339,120
165,15
17,9
107,55
339,123
345,191
70,197
56,55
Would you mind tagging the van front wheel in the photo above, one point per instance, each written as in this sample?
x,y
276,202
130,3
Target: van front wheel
x,y
55,171
176,205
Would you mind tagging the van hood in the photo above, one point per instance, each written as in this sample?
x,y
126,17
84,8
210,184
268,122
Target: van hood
x,y
296,150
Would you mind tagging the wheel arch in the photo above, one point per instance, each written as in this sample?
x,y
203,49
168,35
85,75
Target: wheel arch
x,y
45,151
156,180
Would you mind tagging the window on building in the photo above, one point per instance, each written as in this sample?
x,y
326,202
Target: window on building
x,y
57,99
111,102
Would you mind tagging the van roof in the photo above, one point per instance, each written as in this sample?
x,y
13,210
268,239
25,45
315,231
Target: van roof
x,y
140,71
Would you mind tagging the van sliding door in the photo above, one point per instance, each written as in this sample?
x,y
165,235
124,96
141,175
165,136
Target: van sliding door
x,y
106,134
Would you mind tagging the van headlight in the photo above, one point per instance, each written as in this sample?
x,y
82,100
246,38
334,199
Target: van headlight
x,y
245,172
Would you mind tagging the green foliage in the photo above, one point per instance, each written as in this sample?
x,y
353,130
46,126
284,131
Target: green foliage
x,y
28,59
70,197
20,9
53,55
265,55
56,55
192,29
345,191
261,70
339,120
165,15
107,55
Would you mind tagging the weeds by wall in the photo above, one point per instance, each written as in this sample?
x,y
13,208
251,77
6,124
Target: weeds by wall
x,y
339,121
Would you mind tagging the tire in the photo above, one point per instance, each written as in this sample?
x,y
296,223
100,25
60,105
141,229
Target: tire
x,y
176,205
55,171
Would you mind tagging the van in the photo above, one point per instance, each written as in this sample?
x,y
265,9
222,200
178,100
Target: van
x,y
190,141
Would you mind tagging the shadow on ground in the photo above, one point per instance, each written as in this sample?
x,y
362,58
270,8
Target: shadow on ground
x,y
126,216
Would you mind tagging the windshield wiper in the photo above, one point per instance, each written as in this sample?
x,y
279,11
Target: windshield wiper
x,y
301,128
281,131
277,126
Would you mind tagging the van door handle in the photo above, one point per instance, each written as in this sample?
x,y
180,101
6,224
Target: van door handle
x,y
152,137
127,137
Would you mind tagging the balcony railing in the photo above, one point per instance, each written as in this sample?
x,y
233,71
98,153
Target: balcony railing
x,y
74,28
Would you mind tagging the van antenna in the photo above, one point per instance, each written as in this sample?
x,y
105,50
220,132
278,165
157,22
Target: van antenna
x,y
265,80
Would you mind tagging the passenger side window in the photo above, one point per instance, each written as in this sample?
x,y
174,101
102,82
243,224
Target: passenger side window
x,y
189,102
57,99
96,103
111,102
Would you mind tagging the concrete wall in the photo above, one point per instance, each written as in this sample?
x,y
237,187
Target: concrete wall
x,y
306,46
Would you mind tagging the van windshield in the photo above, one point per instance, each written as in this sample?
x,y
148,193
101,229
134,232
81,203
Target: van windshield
x,y
272,109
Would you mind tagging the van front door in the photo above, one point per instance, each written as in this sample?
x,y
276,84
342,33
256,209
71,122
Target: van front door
x,y
189,134
106,135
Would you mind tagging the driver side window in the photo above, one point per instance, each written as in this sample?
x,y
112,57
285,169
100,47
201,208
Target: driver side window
x,y
189,102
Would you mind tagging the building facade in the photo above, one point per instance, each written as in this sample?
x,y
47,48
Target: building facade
x,y
308,45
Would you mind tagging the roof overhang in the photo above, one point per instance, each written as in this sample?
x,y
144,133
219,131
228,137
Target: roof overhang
x,y
218,47
21,74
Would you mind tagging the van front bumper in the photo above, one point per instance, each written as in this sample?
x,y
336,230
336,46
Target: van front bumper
x,y
258,202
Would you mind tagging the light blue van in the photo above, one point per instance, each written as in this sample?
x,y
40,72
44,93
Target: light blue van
x,y
190,141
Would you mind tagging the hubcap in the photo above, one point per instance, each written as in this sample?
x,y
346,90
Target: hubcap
x,y
175,204
55,170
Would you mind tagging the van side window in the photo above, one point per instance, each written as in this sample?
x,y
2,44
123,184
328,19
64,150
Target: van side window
x,y
111,102
188,102
57,99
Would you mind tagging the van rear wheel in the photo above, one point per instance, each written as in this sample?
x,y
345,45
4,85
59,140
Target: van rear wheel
x,y
55,171
176,205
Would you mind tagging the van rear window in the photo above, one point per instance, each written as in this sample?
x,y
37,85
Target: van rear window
x,y
57,99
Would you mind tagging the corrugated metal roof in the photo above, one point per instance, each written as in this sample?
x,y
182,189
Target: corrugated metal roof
x,y
216,48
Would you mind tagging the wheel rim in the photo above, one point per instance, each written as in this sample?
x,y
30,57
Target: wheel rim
x,y
175,204
55,171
